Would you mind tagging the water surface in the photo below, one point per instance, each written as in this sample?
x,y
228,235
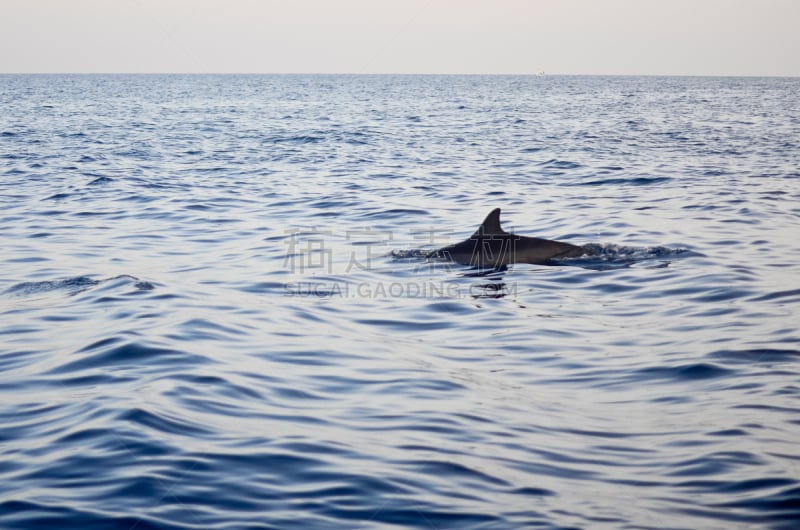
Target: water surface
x,y
216,312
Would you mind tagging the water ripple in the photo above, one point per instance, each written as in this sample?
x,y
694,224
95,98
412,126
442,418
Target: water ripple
x,y
217,308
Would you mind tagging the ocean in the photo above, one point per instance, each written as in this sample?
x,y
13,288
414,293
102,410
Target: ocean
x,y
218,309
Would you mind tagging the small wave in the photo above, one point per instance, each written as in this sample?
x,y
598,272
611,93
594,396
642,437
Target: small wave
x,y
791,295
71,286
637,181
58,196
107,353
611,256
758,355
24,514
560,164
101,180
164,423
414,253
299,139
690,372
611,250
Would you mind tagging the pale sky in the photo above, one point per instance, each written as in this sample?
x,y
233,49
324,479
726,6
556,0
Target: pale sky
x,y
672,37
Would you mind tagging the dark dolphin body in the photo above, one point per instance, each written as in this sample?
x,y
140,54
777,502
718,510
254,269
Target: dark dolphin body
x,y
491,246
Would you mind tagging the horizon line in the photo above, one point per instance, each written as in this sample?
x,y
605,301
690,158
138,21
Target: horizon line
x,y
464,74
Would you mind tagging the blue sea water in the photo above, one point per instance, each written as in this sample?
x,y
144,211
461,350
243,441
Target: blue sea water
x,y
216,310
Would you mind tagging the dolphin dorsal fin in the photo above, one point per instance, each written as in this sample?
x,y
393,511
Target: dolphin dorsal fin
x,y
490,225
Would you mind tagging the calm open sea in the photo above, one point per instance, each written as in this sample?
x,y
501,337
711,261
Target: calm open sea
x,y
216,313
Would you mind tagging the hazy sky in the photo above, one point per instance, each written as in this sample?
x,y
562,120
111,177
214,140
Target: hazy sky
x,y
694,37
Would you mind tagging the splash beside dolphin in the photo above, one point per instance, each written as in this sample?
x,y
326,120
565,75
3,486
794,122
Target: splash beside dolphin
x,y
491,246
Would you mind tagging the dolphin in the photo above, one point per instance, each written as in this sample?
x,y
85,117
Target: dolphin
x,y
491,246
